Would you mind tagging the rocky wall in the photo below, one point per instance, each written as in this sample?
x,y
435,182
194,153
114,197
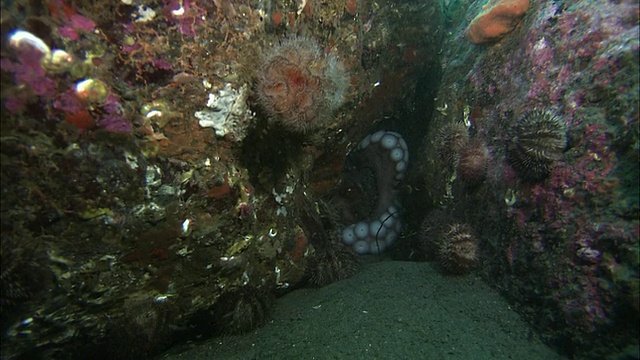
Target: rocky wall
x,y
157,183
534,146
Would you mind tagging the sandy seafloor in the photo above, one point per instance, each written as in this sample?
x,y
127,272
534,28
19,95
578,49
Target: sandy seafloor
x,y
388,310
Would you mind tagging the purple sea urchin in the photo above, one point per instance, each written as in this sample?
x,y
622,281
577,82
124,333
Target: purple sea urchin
x,y
535,143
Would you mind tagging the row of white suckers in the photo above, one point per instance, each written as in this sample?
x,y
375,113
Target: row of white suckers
x,y
375,236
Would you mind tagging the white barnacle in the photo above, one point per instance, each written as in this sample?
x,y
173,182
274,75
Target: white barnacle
x,y
465,115
58,61
145,14
153,113
443,109
179,11
185,226
301,7
20,38
161,299
510,197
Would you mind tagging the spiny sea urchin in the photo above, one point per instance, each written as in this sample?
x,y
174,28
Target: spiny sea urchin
x,y
430,231
472,165
458,249
242,310
535,143
143,330
22,275
335,263
451,139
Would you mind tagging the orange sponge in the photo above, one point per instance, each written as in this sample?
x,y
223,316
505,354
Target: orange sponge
x,y
498,18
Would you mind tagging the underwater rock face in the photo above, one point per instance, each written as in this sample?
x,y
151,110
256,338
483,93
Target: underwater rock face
x,y
375,168
557,212
137,158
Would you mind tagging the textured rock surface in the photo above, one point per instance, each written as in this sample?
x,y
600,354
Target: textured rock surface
x,y
123,220
563,248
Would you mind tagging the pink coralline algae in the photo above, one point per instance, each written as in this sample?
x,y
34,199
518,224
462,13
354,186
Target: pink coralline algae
x,y
114,119
551,216
27,70
75,25
161,64
68,102
186,15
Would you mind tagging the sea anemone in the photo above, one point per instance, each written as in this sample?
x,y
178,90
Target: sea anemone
x,y
457,249
299,86
535,143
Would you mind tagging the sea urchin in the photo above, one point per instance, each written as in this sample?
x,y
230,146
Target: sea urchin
x,y
335,263
472,165
451,139
458,249
535,143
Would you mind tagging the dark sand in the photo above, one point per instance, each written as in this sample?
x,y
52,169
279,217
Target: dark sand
x,y
389,310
